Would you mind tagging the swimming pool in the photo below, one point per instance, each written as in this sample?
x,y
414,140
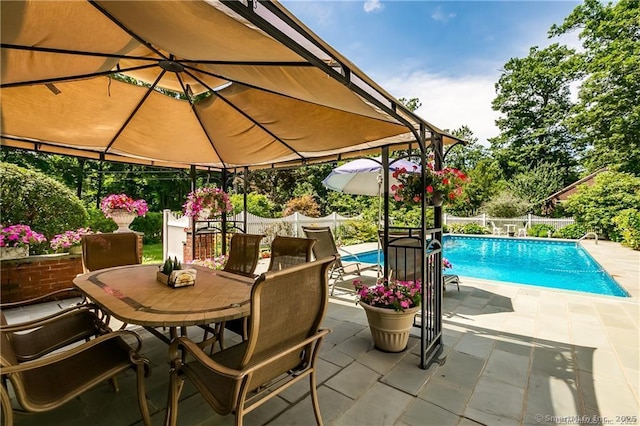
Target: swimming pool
x,y
545,263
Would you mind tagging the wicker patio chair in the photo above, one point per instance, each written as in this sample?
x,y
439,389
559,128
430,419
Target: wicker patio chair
x,y
100,251
287,309
285,253
49,382
64,327
326,246
243,254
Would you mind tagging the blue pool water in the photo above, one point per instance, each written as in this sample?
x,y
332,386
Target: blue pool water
x,y
555,264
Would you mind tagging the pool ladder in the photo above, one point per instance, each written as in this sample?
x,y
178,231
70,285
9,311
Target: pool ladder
x,y
595,236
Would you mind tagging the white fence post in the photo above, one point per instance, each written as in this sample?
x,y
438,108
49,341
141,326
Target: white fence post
x,y
165,232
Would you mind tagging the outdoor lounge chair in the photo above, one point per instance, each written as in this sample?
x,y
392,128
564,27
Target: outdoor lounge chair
x,y
285,253
326,246
243,254
49,382
287,309
450,279
100,251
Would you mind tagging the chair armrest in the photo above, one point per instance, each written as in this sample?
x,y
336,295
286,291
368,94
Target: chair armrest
x,y
318,336
39,322
60,356
187,345
21,303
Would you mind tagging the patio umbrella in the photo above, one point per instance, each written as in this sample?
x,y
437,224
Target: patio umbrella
x,y
364,177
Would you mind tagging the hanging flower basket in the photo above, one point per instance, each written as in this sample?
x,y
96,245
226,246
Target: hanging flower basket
x,y
440,185
206,203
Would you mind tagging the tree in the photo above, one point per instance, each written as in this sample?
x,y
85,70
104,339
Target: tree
x,y
485,181
607,116
534,98
538,183
465,157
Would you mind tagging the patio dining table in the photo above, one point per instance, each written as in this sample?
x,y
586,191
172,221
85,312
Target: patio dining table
x,y
133,295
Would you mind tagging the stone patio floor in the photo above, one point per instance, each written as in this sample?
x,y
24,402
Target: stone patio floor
x,y
513,354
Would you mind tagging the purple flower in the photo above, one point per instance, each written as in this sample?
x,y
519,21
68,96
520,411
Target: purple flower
x,y
123,202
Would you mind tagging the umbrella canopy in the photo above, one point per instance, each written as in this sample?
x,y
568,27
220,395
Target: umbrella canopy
x,y
364,175
205,83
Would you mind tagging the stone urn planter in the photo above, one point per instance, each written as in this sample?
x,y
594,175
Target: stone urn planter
x,y
389,328
123,219
13,252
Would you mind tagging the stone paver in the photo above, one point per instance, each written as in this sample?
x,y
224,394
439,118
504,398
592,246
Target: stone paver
x,y
513,354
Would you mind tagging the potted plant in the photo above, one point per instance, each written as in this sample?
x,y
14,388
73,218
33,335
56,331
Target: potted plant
x,y
15,240
205,203
390,306
70,241
440,185
122,209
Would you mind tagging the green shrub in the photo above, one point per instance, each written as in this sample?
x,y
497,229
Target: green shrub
x,y
573,231
98,222
628,225
474,228
356,232
257,204
540,230
506,204
595,206
34,199
150,225
305,205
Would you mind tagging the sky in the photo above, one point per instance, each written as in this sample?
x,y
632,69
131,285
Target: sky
x,y
449,54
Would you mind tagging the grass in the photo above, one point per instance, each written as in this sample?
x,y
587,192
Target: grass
x,y
152,253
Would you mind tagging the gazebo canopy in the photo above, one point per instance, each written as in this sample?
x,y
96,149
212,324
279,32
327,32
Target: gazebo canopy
x,y
220,84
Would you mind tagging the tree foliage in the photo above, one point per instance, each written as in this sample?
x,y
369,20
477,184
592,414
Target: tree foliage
x,y
538,183
506,204
533,96
607,116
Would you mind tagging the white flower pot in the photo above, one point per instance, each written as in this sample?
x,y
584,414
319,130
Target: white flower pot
x,y
13,252
123,219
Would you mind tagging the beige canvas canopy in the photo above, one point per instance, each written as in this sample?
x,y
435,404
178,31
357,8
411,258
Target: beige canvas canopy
x,y
224,85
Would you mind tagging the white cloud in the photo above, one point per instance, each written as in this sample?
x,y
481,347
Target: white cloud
x,y
372,6
439,15
450,102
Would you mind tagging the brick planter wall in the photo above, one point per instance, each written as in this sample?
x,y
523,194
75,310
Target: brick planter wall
x,y
34,276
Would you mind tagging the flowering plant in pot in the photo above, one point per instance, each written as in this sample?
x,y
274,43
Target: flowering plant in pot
x,y
390,306
15,240
207,202
69,239
115,203
440,185
390,294
19,236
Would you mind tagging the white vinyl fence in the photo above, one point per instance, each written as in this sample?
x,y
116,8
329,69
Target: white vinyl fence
x,y
174,228
521,221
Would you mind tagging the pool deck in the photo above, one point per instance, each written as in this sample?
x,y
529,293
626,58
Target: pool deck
x,y
513,354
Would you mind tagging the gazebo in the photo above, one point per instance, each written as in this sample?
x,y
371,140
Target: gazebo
x,y
226,86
